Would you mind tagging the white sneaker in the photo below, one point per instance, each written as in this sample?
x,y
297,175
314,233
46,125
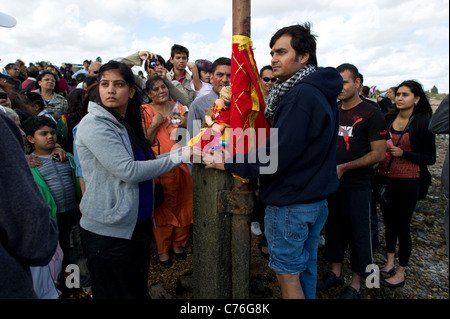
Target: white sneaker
x,y
322,241
88,291
256,229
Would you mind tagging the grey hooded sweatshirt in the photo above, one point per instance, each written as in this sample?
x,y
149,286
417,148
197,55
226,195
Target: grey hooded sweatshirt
x,y
110,203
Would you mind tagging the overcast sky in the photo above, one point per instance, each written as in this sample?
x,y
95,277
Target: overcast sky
x,y
389,41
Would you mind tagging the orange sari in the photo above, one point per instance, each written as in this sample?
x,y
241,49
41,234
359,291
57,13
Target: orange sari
x,y
177,208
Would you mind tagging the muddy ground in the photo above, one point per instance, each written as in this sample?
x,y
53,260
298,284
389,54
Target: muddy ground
x,y
427,274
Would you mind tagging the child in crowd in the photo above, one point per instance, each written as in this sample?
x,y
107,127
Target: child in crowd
x,y
201,77
38,105
60,188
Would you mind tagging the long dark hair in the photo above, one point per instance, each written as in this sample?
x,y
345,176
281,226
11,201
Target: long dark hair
x,y
150,83
422,107
132,120
75,104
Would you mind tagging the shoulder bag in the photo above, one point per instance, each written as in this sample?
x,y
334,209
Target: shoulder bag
x,y
381,184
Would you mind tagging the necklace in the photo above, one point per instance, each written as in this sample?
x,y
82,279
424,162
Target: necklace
x,y
401,123
45,95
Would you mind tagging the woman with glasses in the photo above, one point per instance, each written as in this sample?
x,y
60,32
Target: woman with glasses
x,y
55,104
61,84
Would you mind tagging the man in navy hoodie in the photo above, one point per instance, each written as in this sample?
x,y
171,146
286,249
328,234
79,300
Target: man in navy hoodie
x,y
301,171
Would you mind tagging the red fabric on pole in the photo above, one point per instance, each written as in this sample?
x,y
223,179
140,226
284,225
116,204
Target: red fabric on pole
x,y
247,101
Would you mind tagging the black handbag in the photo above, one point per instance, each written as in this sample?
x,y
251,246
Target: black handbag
x,y
159,190
381,183
380,186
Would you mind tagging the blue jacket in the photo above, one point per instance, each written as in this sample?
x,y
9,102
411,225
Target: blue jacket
x,y
306,123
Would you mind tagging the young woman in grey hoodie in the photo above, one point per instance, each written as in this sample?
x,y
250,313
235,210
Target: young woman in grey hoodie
x,y
118,169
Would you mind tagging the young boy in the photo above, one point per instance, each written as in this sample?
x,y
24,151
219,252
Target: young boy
x,y
60,188
179,57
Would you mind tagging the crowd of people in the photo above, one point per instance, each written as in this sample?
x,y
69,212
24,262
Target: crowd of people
x,y
103,146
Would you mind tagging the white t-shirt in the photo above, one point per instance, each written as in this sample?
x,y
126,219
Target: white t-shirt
x,y
206,88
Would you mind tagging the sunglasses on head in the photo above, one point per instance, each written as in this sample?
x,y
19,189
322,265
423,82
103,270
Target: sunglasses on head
x,y
267,79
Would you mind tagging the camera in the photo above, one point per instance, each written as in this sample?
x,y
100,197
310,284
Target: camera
x,y
55,157
152,63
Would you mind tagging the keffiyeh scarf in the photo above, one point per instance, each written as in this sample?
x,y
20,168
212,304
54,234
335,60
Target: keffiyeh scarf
x,y
279,90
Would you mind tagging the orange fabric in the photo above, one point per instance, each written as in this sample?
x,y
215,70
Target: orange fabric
x,y
178,188
170,236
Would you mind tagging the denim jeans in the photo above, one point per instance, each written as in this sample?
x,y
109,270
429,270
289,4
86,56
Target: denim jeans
x,y
293,234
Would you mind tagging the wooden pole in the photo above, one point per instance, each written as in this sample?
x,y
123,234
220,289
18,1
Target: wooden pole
x,y
241,217
241,17
211,235
222,210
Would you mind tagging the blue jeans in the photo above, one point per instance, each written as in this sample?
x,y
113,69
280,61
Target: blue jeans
x,y
293,234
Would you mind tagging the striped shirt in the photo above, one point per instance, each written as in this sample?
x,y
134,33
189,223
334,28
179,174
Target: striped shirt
x,y
58,177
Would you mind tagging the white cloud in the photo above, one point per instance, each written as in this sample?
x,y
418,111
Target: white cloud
x,y
388,40
183,12
191,37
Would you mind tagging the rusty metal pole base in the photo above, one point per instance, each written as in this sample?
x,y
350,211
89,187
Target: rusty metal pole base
x,y
241,240
221,235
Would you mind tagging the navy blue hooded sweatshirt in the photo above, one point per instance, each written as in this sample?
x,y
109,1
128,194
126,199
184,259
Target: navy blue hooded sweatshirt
x,y
306,123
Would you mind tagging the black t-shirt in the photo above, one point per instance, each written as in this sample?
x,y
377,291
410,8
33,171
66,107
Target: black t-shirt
x,y
357,128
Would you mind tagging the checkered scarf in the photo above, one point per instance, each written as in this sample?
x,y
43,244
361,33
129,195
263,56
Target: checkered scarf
x,y
279,90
